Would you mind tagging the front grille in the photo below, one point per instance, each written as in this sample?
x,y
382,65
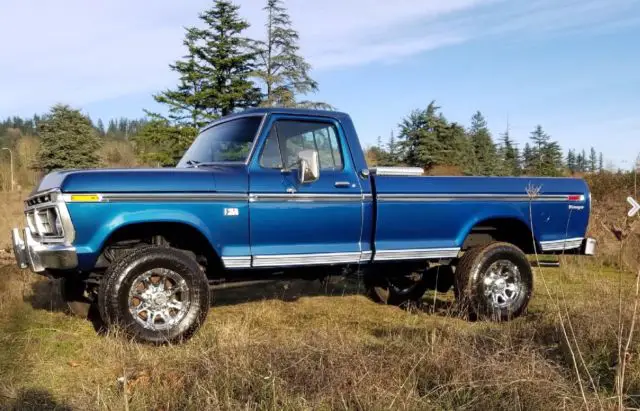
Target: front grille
x,y
40,199
42,222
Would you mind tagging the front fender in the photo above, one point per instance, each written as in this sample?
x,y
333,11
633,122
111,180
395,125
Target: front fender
x,y
96,222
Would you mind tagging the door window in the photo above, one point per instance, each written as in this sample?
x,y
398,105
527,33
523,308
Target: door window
x,y
288,137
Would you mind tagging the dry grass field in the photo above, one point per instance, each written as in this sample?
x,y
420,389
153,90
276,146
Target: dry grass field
x,y
293,345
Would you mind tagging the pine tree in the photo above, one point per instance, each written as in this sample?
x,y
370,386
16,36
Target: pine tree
x,y
68,140
393,150
464,152
527,159
601,163
552,155
100,128
484,148
593,160
509,155
215,73
282,70
160,143
418,138
546,155
571,162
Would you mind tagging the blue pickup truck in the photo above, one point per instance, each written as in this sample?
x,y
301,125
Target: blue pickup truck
x,y
288,191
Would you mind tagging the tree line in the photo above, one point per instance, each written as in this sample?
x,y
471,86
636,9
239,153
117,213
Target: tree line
x,y
428,140
222,72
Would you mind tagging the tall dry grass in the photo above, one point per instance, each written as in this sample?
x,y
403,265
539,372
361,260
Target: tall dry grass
x,y
330,350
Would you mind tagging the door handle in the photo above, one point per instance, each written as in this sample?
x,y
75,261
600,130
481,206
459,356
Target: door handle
x,y
342,184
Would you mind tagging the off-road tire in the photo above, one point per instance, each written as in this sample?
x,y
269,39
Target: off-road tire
x,y
113,295
473,269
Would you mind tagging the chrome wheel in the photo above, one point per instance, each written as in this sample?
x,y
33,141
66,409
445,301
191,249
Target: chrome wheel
x,y
502,284
159,299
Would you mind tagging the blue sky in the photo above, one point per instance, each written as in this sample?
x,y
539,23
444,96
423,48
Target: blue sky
x,y
572,66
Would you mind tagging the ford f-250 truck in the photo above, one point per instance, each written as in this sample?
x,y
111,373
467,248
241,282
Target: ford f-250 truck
x,y
275,190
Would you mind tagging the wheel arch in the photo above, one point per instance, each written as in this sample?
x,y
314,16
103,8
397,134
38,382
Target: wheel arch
x,y
179,233
508,229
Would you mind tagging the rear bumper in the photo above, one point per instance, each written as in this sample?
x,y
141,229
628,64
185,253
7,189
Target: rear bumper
x,y
39,257
588,246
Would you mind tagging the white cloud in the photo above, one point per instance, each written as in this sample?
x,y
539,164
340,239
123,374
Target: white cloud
x,y
80,51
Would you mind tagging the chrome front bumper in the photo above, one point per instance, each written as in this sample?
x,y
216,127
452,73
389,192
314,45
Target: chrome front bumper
x,y
38,256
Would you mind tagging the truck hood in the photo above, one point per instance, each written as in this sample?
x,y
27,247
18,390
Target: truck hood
x,y
222,178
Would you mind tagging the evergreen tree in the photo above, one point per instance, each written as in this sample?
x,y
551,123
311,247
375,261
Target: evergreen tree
x,y
464,152
393,150
580,162
546,155
215,73
509,155
552,155
484,149
601,163
100,128
282,70
160,143
68,140
593,160
572,161
418,138
527,159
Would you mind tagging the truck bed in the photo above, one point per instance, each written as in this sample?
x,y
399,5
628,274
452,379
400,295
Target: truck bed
x,y
418,216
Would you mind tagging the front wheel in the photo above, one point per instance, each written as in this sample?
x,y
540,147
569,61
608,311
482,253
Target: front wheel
x,y
157,294
494,281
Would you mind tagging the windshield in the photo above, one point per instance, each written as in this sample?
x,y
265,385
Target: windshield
x,y
230,141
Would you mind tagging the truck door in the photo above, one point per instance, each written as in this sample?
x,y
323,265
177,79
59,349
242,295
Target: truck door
x,y
314,223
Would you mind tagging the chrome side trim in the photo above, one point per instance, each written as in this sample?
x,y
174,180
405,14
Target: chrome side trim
x,y
397,171
475,197
206,197
289,260
416,254
305,198
163,197
237,262
560,245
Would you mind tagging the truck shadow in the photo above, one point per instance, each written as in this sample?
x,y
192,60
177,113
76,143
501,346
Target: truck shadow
x,y
34,399
46,295
283,290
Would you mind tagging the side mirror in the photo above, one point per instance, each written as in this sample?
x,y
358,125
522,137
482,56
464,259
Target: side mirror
x,y
308,166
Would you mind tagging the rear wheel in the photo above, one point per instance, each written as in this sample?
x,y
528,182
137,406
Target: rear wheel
x,y
156,294
494,281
